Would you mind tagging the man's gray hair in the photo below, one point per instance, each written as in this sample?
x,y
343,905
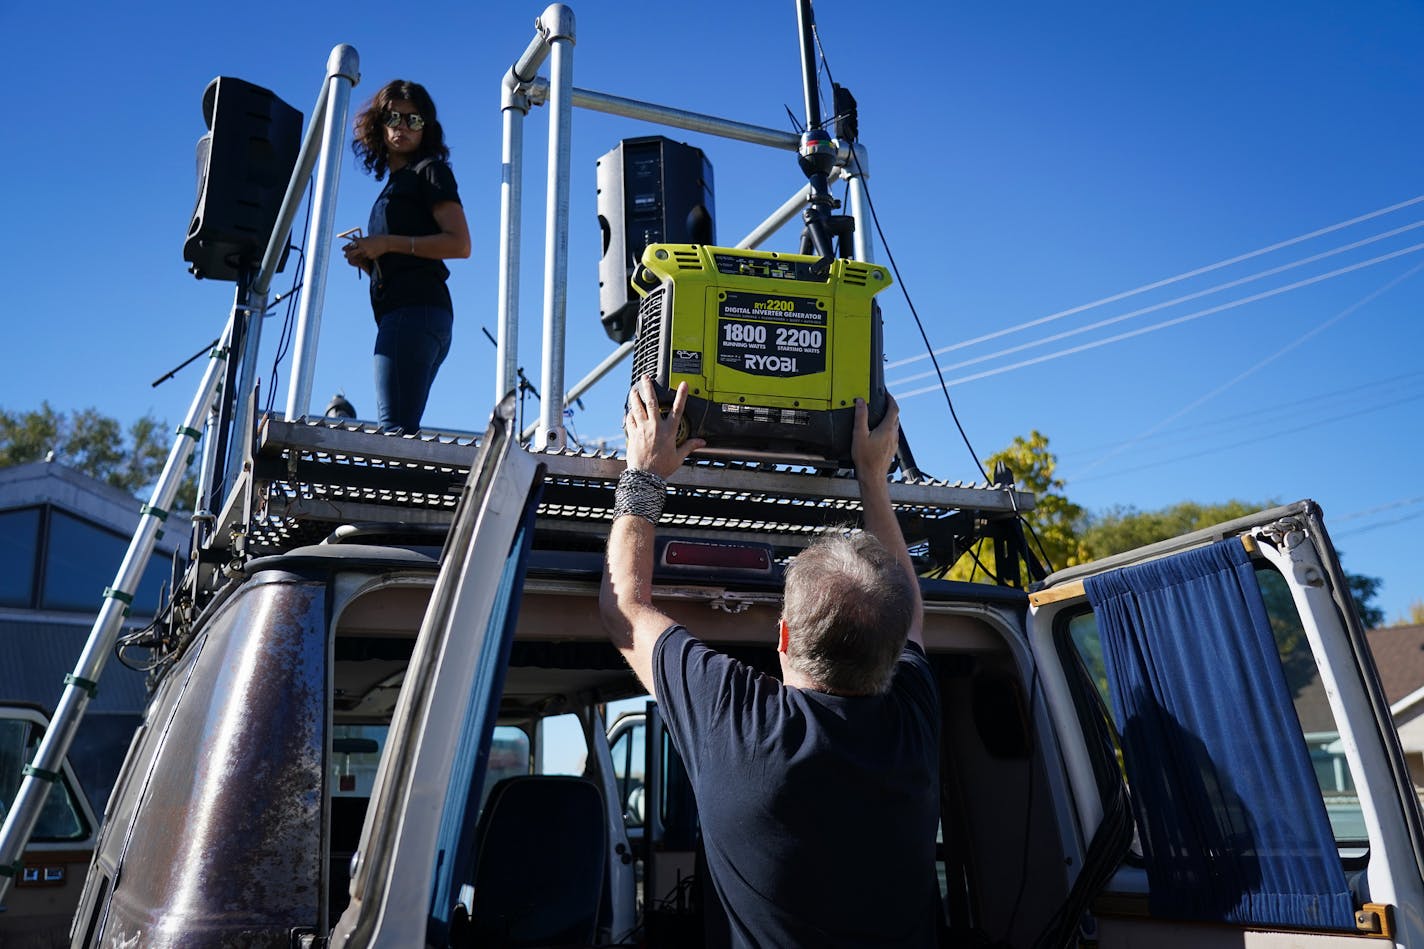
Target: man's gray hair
x,y
847,609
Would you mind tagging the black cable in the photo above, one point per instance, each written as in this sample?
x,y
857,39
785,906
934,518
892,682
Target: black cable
x,y
1042,552
980,565
944,386
1028,806
929,349
284,340
825,63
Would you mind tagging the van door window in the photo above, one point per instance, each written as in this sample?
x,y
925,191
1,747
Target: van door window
x,y
1186,628
562,747
628,757
355,753
1318,726
60,819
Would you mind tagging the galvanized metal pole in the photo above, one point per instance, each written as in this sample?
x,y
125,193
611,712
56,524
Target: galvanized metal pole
x,y
558,23
209,502
342,75
342,60
253,314
776,220
515,106
683,119
80,685
781,216
586,383
857,170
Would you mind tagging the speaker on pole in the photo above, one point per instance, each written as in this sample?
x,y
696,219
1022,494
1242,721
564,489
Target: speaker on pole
x,y
244,164
651,190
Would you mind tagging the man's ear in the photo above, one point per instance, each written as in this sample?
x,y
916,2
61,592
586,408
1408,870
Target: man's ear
x,y
784,638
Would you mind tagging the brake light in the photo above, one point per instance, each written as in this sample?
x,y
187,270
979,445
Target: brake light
x,y
685,553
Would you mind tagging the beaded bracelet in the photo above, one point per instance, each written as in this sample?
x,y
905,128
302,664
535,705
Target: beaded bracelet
x,y
641,494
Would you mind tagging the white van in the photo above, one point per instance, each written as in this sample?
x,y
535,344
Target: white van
x,y
355,743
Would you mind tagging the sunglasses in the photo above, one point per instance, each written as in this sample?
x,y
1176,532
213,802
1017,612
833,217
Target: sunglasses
x,y
413,120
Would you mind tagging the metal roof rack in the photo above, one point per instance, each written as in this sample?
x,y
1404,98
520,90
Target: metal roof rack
x,y
309,476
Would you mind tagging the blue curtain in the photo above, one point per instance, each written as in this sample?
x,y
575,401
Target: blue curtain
x,y
1229,813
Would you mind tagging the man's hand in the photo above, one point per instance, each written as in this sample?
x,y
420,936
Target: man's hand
x,y
626,599
652,439
873,451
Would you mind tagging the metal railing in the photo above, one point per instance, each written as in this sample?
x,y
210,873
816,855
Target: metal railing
x,y
522,88
80,685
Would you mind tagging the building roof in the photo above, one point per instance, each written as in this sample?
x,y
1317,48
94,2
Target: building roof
x,y
1399,658
50,482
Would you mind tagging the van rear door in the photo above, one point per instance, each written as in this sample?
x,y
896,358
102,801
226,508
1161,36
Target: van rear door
x,y
416,849
1230,673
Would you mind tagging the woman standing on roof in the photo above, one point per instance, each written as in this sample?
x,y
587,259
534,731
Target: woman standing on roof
x,y
416,224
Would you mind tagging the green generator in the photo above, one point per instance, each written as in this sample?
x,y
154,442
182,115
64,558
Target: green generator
x,y
774,351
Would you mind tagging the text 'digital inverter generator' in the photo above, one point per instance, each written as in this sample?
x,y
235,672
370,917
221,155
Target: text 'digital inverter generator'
x,y
774,353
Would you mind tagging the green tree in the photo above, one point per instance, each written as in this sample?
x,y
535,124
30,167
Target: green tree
x,y
1364,589
1121,529
1070,535
91,442
1054,518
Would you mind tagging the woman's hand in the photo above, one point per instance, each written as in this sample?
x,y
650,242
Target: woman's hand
x,y
363,251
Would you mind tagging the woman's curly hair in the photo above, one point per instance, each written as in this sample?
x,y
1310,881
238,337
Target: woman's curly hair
x,y
369,136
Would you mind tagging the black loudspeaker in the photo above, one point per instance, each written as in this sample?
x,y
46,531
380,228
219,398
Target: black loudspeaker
x,y
651,190
244,164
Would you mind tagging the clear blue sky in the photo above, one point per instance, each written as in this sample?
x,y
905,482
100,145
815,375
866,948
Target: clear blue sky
x,y
1027,160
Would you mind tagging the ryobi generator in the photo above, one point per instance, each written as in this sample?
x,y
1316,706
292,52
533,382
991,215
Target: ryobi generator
x,y
774,349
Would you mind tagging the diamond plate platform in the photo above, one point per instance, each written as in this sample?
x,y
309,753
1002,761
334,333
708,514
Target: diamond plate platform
x,y
308,477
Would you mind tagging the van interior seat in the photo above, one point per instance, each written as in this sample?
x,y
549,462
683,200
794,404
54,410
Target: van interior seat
x,y
348,814
542,851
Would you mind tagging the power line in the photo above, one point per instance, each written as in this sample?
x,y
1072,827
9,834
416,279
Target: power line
x,y
1333,396
1393,522
1253,442
1165,282
1142,311
1388,506
1298,341
1172,322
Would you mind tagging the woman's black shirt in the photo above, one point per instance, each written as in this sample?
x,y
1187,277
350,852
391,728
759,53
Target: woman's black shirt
x,y
404,207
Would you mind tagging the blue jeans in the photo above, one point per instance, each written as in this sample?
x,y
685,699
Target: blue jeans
x,y
411,343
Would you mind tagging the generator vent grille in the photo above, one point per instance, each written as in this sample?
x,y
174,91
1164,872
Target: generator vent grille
x,y
650,333
856,275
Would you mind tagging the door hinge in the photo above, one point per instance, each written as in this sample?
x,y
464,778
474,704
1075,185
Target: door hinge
x,y
1376,919
306,938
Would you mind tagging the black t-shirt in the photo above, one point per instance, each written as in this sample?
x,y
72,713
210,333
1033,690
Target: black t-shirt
x,y
818,811
404,207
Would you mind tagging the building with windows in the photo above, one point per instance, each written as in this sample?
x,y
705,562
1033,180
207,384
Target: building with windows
x,y
63,536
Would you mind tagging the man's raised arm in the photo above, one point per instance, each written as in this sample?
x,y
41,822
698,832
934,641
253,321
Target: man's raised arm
x,y
873,451
626,598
